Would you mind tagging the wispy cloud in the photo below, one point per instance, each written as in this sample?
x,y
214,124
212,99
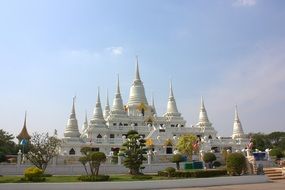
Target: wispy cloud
x,y
119,50
91,56
244,3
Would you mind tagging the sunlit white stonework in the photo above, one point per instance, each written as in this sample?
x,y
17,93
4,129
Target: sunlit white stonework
x,y
107,132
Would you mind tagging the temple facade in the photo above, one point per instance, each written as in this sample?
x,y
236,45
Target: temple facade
x,y
106,130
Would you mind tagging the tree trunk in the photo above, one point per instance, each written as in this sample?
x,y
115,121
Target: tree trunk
x,y
177,166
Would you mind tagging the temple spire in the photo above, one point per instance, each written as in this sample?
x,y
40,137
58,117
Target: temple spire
x,y
85,124
118,85
237,127
71,130
97,113
107,106
137,93
171,105
137,76
118,102
203,117
153,105
24,132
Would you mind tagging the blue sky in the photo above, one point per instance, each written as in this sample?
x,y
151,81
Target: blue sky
x,y
228,51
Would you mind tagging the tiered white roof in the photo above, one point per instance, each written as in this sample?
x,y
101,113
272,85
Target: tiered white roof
x,y
98,119
137,92
237,128
71,129
118,106
171,104
203,117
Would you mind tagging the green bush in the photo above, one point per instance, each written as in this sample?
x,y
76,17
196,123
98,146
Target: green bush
x,y
47,175
276,152
236,164
209,157
217,164
194,174
142,177
33,174
169,171
94,178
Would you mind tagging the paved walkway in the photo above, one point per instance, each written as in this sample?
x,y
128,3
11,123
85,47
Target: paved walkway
x,y
274,185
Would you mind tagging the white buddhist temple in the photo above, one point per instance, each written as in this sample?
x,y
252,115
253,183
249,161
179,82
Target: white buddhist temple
x,y
106,130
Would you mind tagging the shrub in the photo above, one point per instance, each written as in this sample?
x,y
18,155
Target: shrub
x,y
170,171
94,178
142,177
276,152
209,157
194,173
33,174
217,164
236,163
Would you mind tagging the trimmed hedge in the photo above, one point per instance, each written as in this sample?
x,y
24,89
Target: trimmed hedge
x,y
94,178
142,177
194,174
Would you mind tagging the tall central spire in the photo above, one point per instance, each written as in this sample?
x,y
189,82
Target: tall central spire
x,y
137,92
138,78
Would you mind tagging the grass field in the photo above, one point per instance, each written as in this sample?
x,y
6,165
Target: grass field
x,y
66,179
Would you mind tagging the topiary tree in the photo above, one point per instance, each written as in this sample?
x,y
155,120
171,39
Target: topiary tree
x,y
209,157
93,159
177,158
186,144
134,151
236,164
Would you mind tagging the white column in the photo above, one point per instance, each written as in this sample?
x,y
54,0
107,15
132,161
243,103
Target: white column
x,y
19,158
148,159
119,160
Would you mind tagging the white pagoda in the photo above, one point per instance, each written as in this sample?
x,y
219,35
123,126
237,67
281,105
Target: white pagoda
x,y
106,130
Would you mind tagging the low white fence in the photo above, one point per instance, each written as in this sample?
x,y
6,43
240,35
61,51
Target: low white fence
x,y
12,169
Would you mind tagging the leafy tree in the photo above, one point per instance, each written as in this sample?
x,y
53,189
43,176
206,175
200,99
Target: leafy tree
x,y
276,138
8,146
209,157
42,148
185,144
276,152
177,158
260,141
93,159
134,152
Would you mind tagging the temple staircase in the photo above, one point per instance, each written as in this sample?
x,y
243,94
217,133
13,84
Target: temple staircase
x,y
274,173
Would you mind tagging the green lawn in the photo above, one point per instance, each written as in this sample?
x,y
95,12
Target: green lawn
x,y
66,179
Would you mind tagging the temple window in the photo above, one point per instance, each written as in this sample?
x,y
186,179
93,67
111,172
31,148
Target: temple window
x,y
99,136
114,124
112,136
72,152
169,150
